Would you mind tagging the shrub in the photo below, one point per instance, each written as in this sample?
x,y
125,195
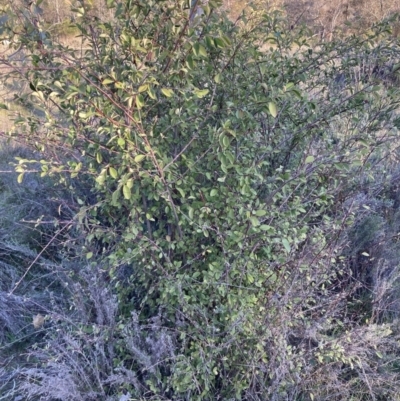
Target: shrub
x,y
220,174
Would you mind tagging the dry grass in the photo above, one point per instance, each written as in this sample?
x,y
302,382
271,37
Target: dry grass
x,y
10,86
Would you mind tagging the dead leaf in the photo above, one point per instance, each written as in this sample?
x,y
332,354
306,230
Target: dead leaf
x,y
38,321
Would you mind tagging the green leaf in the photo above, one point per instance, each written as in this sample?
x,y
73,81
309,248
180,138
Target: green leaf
x,y
113,172
167,92
286,244
129,183
260,213
127,192
200,93
296,92
272,109
221,141
219,43
214,192
217,78
254,221
107,81
101,178
190,63
20,178
266,227
203,51
139,101
80,11
115,196
309,159
181,191
227,40
199,50
195,49
210,42
288,86
226,141
151,93
139,158
89,255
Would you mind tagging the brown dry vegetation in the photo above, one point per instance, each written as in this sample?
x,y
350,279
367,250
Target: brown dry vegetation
x,y
325,17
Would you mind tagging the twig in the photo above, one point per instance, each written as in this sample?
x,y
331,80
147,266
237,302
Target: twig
x,y
36,259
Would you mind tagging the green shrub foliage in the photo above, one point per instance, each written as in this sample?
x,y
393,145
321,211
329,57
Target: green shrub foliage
x,y
221,162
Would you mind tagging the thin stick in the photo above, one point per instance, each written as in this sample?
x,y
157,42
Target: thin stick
x,y
36,259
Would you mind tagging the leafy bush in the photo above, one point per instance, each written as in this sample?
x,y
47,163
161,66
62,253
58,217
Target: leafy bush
x,y
221,168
